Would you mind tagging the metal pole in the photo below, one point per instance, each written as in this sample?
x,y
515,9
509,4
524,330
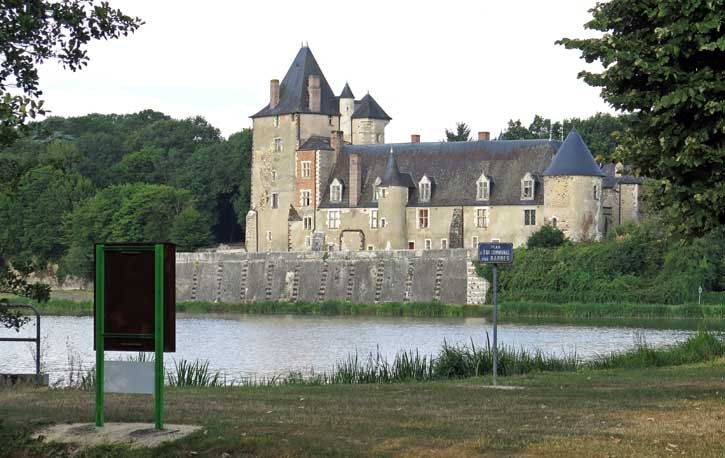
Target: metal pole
x,y
100,328
495,325
159,335
37,344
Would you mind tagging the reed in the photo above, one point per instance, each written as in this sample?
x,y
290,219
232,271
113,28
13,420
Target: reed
x,y
194,374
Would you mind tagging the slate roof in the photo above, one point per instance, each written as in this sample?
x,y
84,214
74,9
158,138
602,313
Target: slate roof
x,y
347,92
574,159
611,180
293,94
392,175
454,167
368,108
316,142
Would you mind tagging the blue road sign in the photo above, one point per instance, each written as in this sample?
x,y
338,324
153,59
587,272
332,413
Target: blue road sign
x,y
496,253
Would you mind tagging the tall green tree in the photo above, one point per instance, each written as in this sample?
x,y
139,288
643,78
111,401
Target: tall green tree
x,y
462,133
664,62
33,31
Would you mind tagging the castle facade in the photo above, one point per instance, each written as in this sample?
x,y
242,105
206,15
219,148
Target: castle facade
x,y
323,178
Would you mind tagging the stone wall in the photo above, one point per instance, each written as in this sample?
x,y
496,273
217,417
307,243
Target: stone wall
x,y
358,277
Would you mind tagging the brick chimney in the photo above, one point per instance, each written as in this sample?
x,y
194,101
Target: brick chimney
x,y
355,179
273,93
313,90
414,138
484,136
336,143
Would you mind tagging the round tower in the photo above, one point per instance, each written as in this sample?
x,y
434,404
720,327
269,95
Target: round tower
x,y
573,191
368,122
347,108
391,206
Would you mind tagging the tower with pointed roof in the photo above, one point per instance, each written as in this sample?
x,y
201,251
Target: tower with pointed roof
x,y
573,190
347,108
368,122
392,204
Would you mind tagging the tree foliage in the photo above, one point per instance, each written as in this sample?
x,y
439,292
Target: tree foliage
x,y
601,132
547,236
663,62
462,133
33,31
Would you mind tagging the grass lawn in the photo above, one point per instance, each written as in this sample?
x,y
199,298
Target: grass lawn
x,y
674,411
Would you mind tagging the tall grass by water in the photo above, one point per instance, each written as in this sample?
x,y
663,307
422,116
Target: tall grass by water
x,y
461,361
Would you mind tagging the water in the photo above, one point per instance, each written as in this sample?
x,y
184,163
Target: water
x,y
265,346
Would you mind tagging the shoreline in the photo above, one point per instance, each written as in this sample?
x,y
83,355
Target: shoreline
x,y
59,306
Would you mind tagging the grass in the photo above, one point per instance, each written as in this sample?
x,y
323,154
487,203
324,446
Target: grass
x,y
75,305
614,412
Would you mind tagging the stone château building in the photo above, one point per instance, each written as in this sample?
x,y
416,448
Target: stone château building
x,y
323,178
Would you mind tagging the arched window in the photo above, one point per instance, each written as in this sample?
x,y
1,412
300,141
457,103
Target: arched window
x,y
527,187
376,189
336,191
483,187
424,189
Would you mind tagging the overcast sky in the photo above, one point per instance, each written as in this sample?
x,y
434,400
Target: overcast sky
x,y
428,64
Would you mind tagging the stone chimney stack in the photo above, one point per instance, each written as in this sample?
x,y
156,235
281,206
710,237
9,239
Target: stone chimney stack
x,y
484,136
313,90
355,179
415,138
273,93
336,142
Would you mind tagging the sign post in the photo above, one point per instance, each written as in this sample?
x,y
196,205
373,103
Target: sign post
x,y
134,311
495,254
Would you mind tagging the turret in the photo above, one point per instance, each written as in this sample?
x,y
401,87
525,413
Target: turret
x,y
573,190
368,122
392,204
347,108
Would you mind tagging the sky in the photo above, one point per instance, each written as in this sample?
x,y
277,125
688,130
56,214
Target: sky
x,y
429,64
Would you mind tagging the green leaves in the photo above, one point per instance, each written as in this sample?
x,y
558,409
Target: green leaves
x,y
664,62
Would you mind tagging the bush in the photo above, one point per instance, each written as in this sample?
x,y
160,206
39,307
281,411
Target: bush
x,y
546,237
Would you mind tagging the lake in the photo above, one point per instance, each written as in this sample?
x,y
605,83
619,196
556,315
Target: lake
x,y
244,346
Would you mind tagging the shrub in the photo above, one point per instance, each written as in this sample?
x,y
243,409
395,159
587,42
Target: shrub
x,y
546,237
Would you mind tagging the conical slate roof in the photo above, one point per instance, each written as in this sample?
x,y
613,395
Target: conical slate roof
x,y
293,94
573,159
347,92
392,176
368,108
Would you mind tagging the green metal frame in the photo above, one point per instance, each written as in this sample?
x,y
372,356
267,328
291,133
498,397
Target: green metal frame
x,y
158,334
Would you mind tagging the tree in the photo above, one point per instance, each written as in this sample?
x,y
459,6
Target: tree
x,y
663,62
461,134
546,237
33,31
190,229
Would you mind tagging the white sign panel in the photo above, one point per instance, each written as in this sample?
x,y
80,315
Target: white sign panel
x,y
129,377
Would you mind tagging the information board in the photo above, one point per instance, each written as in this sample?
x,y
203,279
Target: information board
x,y
496,253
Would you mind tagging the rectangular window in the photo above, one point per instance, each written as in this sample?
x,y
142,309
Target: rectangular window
x,y
274,200
274,175
277,145
335,193
307,220
530,217
425,192
428,244
527,189
423,218
482,190
481,217
373,219
370,248
333,219
444,244
306,167
276,121
329,120
595,191
269,236
305,198
495,241
474,242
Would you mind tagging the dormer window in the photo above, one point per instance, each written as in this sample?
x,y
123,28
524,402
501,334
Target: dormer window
x,y
527,187
376,189
483,188
424,189
336,191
